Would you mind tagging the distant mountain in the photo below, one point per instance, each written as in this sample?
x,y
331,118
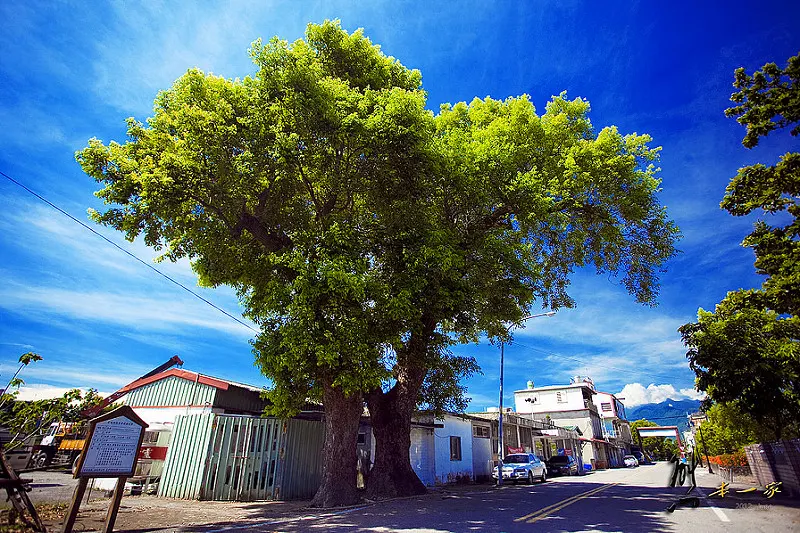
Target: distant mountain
x,y
666,413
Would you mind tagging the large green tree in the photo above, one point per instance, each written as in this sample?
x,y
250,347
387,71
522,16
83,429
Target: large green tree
x,y
522,199
365,236
747,349
279,185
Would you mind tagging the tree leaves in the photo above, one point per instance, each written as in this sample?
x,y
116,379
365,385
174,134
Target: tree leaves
x,y
767,100
350,220
746,351
29,357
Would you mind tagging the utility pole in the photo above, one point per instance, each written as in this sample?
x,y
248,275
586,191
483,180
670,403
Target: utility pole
x,y
500,418
705,449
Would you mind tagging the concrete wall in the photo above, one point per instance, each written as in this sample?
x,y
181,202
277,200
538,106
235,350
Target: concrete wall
x,y
601,398
166,415
587,420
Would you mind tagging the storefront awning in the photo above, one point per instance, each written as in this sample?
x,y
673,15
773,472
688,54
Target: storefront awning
x,y
599,441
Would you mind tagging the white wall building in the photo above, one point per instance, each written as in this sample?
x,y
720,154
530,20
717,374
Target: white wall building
x,y
482,452
569,406
442,449
453,448
616,429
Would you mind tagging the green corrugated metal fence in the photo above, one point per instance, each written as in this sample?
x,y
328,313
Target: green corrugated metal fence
x,y
242,458
300,470
182,476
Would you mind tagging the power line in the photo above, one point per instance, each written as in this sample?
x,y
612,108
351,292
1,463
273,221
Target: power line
x,y
118,247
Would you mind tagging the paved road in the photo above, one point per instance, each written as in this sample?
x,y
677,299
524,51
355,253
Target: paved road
x,y
614,500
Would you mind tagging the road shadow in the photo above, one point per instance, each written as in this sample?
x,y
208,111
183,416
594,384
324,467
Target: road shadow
x,y
571,506
588,504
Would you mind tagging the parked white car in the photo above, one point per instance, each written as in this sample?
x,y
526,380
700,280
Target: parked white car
x,y
630,461
522,467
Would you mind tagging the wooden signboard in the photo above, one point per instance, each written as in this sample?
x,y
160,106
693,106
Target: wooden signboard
x,y
112,446
110,450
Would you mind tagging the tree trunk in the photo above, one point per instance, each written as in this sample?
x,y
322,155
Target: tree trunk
x,y
342,415
390,414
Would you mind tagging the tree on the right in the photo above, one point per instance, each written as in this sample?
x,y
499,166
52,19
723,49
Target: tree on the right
x,y
747,349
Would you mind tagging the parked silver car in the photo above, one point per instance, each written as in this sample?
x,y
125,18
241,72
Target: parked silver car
x,y
630,461
522,467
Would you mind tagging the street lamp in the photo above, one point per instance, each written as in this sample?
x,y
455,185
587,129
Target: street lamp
x,y
500,419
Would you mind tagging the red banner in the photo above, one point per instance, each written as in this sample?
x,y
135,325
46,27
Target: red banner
x,y
516,450
157,453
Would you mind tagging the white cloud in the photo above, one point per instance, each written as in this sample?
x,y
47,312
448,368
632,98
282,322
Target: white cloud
x,y
155,312
82,277
75,376
156,51
693,394
637,394
38,229
41,391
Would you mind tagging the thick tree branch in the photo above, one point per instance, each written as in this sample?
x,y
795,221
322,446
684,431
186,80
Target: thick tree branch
x,y
270,240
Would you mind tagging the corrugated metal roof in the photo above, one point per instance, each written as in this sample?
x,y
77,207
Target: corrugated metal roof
x,y
177,387
172,391
217,383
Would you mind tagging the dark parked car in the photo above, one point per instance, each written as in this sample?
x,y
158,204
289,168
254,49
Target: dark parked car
x,y
641,458
562,465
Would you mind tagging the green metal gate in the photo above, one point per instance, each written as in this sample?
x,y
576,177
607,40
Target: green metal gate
x,y
243,460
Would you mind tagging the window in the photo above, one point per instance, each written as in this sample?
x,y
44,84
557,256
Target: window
x,y
605,406
561,397
480,432
150,437
455,448
362,438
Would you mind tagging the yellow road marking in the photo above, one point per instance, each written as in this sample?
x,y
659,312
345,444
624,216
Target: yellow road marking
x,y
544,509
543,512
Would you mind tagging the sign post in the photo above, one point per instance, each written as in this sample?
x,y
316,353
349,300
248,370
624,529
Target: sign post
x,y
111,450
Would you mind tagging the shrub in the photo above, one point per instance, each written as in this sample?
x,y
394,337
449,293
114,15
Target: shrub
x,y
730,459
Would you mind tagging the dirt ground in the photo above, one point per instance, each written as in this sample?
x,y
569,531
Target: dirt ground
x,y
51,493
145,513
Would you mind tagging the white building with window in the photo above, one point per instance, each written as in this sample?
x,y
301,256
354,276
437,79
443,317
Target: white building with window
x,y
616,429
442,449
569,406
453,449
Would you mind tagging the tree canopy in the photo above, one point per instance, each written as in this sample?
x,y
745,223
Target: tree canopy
x,y
524,199
279,186
729,429
747,349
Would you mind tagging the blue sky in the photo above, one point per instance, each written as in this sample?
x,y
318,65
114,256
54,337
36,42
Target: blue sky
x,y
73,70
